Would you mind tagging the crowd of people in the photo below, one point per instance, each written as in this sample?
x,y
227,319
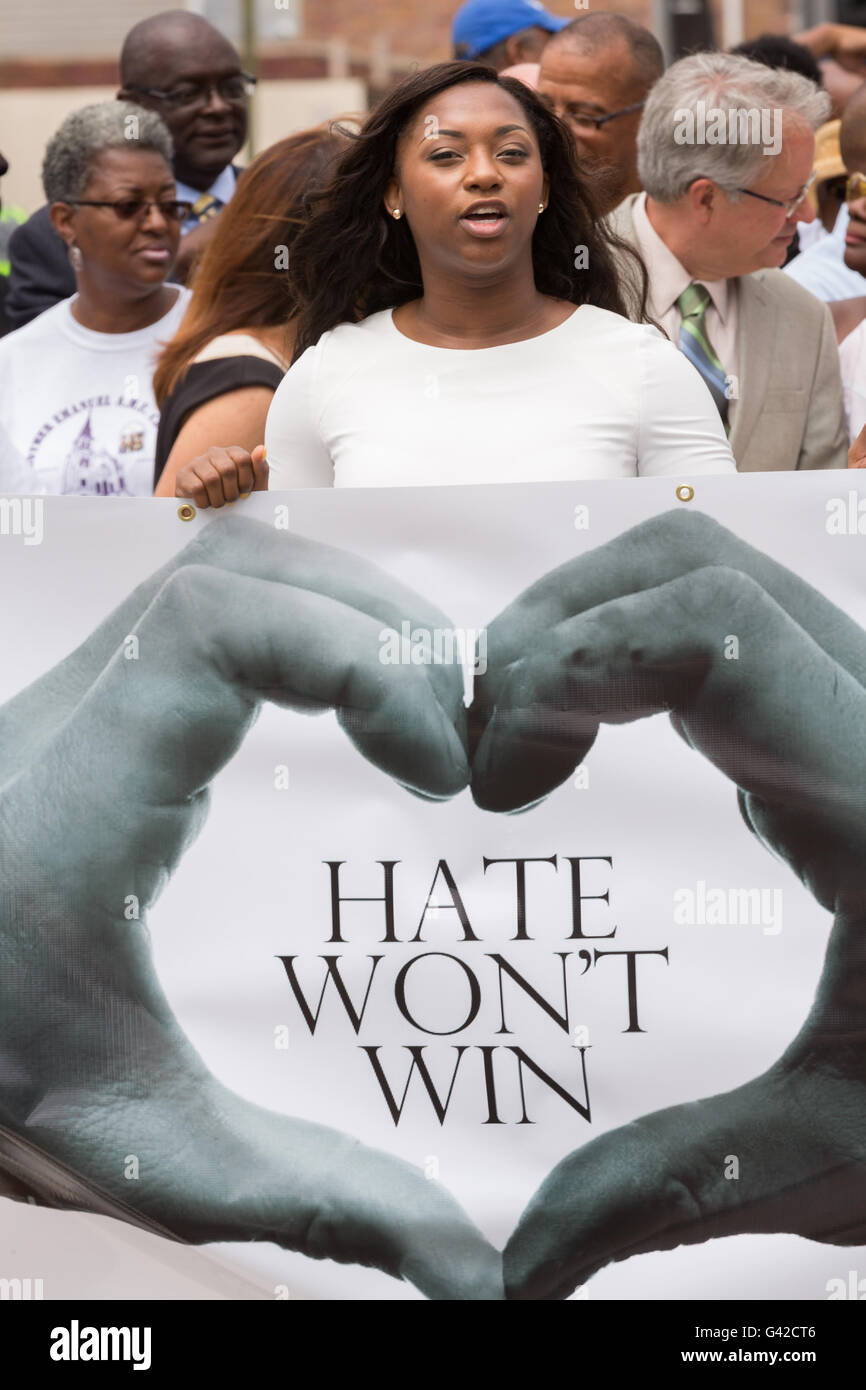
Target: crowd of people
x,y
549,258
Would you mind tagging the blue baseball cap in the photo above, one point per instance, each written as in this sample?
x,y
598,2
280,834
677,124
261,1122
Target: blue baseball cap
x,y
479,24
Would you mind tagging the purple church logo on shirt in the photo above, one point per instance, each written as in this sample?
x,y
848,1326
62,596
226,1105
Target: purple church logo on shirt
x,y
91,470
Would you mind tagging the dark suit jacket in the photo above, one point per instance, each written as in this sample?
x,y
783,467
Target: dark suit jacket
x,y
39,269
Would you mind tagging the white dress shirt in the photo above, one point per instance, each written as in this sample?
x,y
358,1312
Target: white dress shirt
x,y
667,280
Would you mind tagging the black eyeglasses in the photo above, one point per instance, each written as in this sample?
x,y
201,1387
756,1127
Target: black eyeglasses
x,y
583,120
192,95
127,208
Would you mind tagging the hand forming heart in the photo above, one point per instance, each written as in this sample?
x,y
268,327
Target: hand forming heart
x,y
631,629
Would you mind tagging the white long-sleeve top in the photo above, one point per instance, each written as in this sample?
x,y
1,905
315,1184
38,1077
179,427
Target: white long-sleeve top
x,y
595,397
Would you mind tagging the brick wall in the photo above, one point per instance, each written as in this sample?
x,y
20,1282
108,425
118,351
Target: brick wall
x,y
421,28
409,29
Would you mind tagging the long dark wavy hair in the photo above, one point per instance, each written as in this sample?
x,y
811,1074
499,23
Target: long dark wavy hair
x,y
351,259
236,285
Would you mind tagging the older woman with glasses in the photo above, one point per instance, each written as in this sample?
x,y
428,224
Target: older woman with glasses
x,y
182,68
75,384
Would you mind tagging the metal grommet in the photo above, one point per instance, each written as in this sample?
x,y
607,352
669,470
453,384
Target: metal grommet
x,y
685,493
186,512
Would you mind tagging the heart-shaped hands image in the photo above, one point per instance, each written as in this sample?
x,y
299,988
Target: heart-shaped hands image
x,y
639,627
112,773
110,768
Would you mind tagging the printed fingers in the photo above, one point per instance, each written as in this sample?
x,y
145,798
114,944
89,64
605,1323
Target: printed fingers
x,y
653,553
779,1154
312,1189
372,1208
238,546
173,705
749,689
210,1166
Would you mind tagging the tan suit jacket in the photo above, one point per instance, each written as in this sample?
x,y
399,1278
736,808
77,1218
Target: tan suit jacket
x,y
789,406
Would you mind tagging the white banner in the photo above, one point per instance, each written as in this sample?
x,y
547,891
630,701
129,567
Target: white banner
x,y
204,1006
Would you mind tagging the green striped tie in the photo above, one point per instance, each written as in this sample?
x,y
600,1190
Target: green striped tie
x,y
693,304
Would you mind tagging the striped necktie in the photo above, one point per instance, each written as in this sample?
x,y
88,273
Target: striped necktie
x,y
205,207
693,304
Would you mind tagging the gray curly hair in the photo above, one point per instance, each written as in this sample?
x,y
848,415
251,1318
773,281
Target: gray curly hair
x,y
740,88
109,125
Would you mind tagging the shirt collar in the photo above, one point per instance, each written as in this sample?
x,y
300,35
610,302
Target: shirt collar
x,y
667,277
222,187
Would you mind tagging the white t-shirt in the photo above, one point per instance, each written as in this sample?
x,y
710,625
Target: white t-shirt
x,y
595,397
79,406
14,475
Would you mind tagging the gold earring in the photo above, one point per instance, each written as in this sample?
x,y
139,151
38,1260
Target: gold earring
x,y
540,208
396,214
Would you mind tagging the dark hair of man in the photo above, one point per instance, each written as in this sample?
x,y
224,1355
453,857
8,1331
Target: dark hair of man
x,y
145,43
594,32
352,260
778,51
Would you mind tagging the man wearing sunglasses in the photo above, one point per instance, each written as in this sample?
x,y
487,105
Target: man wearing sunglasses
x,y
181,67
713,226
595,75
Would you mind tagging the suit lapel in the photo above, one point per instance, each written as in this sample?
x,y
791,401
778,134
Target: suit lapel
x,y
756,335
757,313
620,219
621,223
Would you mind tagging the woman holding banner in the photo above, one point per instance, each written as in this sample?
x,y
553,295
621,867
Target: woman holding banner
x,y
461,318
75,387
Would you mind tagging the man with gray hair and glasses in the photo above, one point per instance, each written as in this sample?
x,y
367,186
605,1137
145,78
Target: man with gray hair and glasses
x,y
725,155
